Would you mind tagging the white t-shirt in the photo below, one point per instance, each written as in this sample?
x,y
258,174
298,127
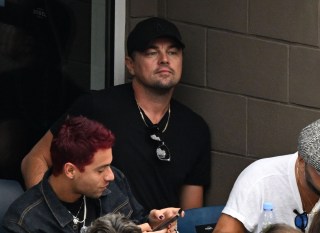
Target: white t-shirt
x,y
270,179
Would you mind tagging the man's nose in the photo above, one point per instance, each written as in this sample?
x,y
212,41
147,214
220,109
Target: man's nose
x,y
163,58
109,176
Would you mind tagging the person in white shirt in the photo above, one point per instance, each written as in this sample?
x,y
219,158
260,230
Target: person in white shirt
x,y
290,182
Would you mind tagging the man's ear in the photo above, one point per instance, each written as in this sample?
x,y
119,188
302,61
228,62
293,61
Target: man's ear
x,y
130,65
69,170
300,159
301,162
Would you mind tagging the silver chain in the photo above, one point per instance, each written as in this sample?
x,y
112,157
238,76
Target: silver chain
x,y
144,121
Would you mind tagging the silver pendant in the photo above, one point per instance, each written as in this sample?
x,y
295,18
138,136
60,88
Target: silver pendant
x,y
75,220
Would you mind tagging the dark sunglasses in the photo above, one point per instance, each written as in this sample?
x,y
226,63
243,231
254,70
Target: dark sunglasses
x,y
162,151
301,220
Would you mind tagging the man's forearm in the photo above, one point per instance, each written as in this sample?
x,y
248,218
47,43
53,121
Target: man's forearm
x,y
191,197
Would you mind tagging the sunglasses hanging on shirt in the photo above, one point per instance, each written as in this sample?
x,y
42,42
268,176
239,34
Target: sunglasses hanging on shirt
x,y
301,220
162,151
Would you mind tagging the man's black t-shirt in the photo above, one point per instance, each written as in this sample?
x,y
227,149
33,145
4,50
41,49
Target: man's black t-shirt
x,y
155,183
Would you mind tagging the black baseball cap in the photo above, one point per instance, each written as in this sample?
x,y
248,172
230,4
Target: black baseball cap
x,y
150,29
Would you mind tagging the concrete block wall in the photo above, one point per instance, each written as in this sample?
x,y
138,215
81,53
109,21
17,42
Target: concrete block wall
x,y
251,69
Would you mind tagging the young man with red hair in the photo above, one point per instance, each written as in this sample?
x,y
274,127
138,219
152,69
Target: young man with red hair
x,y
80,187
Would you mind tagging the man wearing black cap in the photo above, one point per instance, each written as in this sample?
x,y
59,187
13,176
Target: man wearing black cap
x,y
162,146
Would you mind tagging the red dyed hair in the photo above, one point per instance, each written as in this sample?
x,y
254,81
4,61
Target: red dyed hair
x,y
77,141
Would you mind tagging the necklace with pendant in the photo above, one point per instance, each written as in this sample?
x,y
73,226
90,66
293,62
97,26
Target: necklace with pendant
x,y
76,220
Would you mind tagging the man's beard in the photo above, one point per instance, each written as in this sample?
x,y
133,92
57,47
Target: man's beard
x,y
161,88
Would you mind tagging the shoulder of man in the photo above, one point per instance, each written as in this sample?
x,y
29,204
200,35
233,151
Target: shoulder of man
x,y
114,90
185,113
28,201
267,166
108,96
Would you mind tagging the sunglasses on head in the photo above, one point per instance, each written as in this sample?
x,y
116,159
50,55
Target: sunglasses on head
x,y
301,220
162,151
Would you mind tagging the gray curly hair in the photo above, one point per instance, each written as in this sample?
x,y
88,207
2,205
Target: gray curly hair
x,y
309,144
113,223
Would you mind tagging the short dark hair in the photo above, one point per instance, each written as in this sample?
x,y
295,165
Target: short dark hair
x,y
77,141
113,223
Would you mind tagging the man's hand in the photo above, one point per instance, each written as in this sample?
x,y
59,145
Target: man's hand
x,y
156,217
145,227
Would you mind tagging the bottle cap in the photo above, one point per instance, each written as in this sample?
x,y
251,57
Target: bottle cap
x,y
267,206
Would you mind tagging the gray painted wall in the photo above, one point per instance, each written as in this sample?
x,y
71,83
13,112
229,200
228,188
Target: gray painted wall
x,y
251,69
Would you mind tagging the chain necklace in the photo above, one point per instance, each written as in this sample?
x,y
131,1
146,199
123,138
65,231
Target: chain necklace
x,y
144,121
76,220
